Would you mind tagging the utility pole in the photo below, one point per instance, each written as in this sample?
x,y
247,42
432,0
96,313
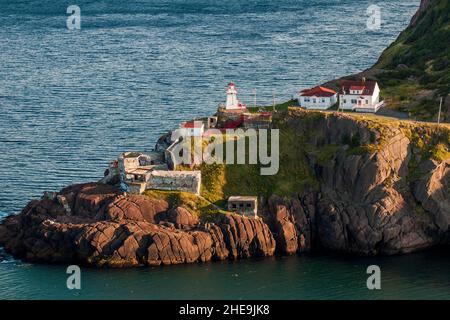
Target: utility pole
x,y
439,114
273,98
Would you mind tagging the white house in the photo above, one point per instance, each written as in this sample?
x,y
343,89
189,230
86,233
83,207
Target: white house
x,y
317,98
191,129
360,96
232,102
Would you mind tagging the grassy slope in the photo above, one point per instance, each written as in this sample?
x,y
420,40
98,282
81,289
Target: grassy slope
x,y
296,174
415,70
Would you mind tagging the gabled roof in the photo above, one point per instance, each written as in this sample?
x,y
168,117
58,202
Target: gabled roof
x,y
242,198
317,92
367,87
357,88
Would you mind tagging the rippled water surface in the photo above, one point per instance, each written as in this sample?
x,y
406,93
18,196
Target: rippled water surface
x,y
72,100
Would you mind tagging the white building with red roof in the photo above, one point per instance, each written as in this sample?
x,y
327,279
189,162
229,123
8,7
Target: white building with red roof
x,y
360,96
191,129
320,98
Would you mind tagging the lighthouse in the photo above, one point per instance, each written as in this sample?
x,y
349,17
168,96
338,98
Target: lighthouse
x,y
232,100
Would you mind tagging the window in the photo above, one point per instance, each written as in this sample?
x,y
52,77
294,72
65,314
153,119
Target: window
x,y
323,100
354,101
345,100
367,101
241,205
233,205
314,100
249,205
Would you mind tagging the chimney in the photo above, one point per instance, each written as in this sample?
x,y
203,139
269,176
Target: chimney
x,y
364,79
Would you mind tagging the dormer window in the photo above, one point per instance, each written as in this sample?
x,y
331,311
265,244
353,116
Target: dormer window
x,y
356,89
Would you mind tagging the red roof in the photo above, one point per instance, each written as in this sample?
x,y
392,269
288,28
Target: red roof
x,y
317,92
357,88
192,124
367,87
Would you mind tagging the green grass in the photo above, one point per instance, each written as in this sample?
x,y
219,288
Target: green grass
x,y
423,53
278,107
221,181
326,154
189,201
440,152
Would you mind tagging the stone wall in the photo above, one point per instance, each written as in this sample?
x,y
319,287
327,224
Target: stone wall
x,y
187,181
170,156
227,117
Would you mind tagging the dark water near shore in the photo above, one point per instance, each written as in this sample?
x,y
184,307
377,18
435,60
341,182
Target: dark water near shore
x,y
71,101
416,276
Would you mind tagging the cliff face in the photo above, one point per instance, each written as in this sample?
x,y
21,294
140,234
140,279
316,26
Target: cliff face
x,y
387,193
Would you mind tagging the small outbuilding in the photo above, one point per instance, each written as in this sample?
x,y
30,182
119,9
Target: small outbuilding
x,y
191,129
245,205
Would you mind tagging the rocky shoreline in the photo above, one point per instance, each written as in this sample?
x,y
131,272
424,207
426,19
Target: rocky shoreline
x,y
106,228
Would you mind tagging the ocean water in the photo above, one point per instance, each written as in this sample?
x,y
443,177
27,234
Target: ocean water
x,y
72,100
415,276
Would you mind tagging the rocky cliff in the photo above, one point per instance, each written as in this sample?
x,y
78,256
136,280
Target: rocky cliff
x,y
107,228
384,188
356,185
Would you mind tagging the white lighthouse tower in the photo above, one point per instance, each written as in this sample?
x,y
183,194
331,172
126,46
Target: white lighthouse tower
x,y
232,100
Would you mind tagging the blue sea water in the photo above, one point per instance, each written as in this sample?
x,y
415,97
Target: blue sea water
x,y
71,100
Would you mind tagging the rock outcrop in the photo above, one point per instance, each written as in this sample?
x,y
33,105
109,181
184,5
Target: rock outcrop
x,y
424,4
391,199
108,228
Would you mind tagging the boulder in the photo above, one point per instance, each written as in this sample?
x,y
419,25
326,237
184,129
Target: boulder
x,y
182,218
